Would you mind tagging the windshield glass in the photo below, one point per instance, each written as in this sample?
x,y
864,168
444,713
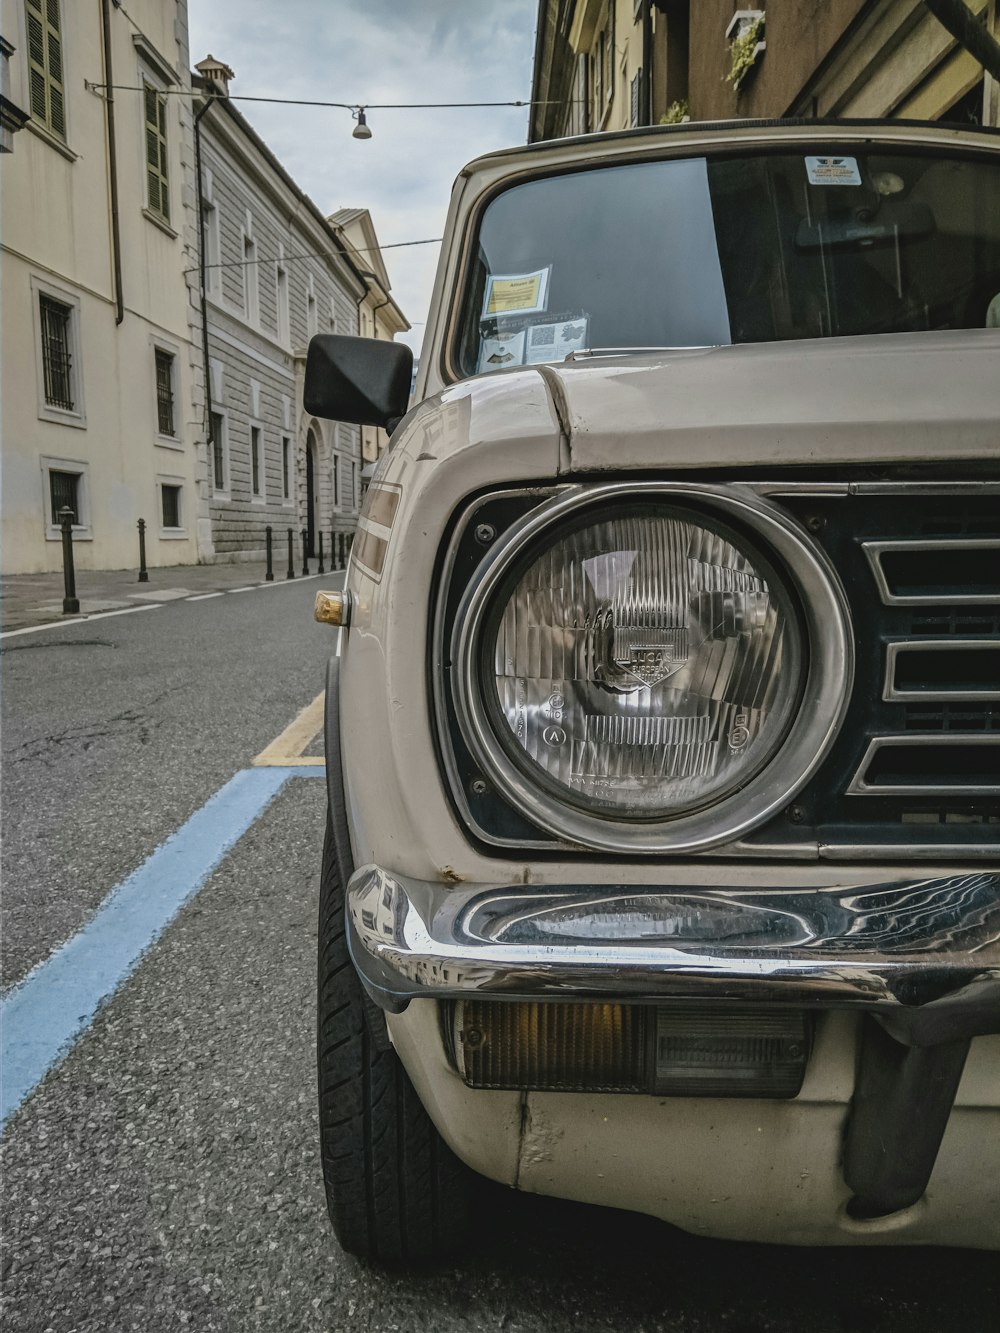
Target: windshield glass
x,y
756,248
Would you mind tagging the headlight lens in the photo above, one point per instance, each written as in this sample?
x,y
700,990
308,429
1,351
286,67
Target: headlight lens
x,y
644,664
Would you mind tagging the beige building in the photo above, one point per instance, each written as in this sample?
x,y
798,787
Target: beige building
x,y
378,314
96,333
616,64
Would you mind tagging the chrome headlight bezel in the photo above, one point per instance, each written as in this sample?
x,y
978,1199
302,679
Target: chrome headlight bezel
x,y
825,689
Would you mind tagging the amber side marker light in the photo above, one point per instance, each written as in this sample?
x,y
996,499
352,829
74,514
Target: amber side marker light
x,y
724,1050
332,608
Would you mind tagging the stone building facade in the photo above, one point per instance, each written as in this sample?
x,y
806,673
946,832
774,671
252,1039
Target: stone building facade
x,y
617,64
96,378
274,272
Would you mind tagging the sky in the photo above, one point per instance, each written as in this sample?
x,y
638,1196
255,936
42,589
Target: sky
x,y
365,51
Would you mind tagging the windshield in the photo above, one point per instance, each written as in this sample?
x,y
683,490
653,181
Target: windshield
x,y
754,248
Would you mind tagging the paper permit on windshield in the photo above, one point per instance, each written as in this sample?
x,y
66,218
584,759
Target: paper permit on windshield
x,y
516,293
833,171
554,342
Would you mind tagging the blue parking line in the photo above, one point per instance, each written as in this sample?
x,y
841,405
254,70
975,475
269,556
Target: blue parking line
x,y
55,1003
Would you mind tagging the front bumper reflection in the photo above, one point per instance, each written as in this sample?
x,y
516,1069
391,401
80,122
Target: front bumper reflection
x,y
923,954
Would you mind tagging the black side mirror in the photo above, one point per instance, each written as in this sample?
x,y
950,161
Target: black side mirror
x,y
364,381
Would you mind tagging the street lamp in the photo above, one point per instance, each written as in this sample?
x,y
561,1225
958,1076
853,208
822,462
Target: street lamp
x,y
361,130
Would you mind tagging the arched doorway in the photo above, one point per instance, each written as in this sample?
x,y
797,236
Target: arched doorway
x,y
312,493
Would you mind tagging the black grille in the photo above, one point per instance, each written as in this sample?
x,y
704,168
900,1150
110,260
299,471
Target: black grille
x,y
857,799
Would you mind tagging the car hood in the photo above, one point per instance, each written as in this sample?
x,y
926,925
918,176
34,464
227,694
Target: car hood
x,y
888,398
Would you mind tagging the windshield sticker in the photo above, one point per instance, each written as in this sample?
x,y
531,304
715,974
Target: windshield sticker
x,y
833,171
501,349
516,293
554,342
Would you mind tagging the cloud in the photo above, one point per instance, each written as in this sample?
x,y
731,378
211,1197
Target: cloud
x,y
371,51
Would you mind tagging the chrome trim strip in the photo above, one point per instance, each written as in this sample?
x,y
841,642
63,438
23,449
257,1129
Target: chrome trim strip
x,y
887,945
925,487
900,647
875,550
826,689
859,787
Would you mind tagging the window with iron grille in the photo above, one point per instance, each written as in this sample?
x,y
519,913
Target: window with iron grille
x,y
64,493
165,392
218,451
155,111
336,481
170,504
255,459
46,93
57,360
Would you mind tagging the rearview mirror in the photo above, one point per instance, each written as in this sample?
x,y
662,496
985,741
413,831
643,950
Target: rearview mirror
x,y
363,381
905,220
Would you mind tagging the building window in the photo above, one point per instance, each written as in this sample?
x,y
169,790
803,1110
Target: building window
x,y
170,505
283,326
310,315
353,498
164,392
157,185
286,468
255,462
609,54
65,486
336,481
45,67
210,241
218,451
251,280
633,99
57,359
64,492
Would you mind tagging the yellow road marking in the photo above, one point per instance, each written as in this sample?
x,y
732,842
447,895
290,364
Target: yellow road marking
x,y
287,749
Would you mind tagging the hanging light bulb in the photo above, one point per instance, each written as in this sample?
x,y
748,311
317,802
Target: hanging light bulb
x,y
361,130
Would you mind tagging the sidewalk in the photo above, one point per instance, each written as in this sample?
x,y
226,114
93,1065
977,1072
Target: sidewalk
x,y
36,599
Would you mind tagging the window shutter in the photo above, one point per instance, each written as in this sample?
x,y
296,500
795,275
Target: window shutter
x,y
634,99
155,112
45,68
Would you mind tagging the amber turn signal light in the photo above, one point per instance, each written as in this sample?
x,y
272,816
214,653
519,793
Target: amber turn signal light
x,y
332,608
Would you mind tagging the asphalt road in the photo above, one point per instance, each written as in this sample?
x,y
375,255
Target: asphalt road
x,y
164,1175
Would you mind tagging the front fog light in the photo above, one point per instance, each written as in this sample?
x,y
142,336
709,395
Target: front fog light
x,y
645,664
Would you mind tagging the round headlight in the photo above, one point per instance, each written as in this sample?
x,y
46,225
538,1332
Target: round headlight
x,y
647,672
644,664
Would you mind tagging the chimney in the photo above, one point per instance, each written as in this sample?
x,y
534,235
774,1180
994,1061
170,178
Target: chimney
x,y
216,75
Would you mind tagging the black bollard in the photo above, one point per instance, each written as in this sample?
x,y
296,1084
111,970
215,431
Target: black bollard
x,y
143,571
305,553
269,576
71,605
321,569
291,557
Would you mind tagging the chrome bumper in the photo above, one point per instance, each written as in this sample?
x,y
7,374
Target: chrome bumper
x,y
923,954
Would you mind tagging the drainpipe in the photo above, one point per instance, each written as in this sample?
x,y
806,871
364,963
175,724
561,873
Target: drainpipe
x,y
209,429
970,34
109,109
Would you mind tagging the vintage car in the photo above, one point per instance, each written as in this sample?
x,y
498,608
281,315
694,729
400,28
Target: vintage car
x,y
663,727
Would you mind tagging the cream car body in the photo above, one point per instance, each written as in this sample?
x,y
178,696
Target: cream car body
x,y
436,911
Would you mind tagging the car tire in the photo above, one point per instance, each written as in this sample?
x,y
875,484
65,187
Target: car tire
x,y
395,1192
